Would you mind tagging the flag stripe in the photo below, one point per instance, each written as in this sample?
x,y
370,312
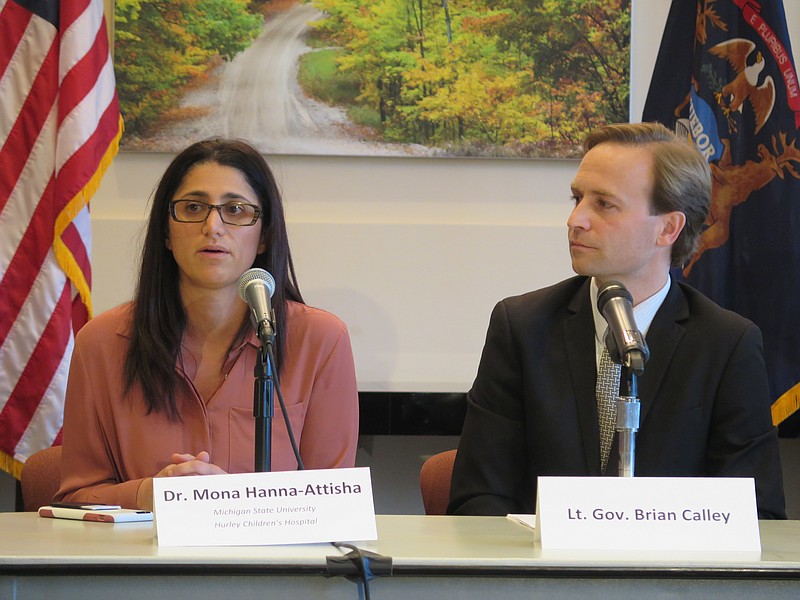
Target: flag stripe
x,y
74,11
72,239
26,263
29,327
13,23
19,212
38,372
48,411
82,64
34,107
83,142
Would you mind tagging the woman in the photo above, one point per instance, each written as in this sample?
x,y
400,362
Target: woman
x,y
163,386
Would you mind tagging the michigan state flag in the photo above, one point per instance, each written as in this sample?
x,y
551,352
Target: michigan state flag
x,y
725,76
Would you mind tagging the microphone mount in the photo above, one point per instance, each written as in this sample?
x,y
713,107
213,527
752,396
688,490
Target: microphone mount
x,y
632,358
256,287
627,347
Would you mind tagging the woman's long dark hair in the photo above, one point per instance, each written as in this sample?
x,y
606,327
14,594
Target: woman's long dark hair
x,y
158,315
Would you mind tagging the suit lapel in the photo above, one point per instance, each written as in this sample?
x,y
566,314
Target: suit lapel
x,y
579,340
662,339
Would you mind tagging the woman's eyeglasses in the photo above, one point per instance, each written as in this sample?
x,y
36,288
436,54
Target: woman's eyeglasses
x,y
241,214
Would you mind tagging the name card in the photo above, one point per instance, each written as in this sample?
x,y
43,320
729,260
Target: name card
x,y
254,509
647,513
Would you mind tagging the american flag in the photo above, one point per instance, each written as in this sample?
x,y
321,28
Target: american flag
x,y
59,130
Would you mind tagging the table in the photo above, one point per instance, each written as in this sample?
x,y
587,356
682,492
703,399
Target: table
x,y
433,556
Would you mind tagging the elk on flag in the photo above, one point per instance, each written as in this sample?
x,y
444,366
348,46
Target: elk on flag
x,y
59,130
725,76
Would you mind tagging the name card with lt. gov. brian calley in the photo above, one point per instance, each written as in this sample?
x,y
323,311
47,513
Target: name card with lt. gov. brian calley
x,y
705,514
253,509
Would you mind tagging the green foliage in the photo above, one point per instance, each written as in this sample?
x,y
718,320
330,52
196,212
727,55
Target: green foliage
x,y
364,115
513,74
161,45
319,77
225,28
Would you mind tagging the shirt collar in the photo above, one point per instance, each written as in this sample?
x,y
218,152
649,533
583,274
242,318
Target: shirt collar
x,y
643,313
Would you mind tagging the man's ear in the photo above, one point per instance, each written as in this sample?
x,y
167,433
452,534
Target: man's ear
x,y
672,224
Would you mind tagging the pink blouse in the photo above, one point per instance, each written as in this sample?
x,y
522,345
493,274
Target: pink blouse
x,y
111,444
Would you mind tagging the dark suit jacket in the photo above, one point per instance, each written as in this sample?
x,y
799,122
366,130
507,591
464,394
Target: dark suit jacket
x,y
705,406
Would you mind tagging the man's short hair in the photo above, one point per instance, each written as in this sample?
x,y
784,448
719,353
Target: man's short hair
x,y
681,177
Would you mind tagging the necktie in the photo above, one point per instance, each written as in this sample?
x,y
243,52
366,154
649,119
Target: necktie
x,y
607,390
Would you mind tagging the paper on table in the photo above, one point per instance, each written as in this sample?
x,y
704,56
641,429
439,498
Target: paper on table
x,y
527,520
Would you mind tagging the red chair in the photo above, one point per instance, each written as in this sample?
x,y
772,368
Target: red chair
x,y
434,482
40,478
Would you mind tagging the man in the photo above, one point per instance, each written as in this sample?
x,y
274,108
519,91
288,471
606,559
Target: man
x,y
641,196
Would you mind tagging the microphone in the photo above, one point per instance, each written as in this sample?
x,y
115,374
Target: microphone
x,y
624,341
256,287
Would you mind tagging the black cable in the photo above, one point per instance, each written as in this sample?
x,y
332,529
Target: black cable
x,y
362,565
278,392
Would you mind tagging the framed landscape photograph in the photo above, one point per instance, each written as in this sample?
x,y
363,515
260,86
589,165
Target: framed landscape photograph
x,y
437,78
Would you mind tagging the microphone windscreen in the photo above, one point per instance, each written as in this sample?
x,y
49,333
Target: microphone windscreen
x,y
255,274
610,290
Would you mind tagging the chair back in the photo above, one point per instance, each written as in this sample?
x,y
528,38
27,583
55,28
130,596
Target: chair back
x,y
434,482
40,478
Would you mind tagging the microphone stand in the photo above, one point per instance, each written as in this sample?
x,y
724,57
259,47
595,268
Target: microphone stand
x,y
628,412
264,402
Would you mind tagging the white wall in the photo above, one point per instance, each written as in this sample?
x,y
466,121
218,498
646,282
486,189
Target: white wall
x,y
411,253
